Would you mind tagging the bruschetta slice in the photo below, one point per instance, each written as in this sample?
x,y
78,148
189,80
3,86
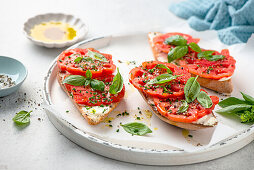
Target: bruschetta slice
x,y
214,69
86,75
173,95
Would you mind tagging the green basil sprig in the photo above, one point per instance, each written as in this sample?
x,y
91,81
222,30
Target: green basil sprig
x,y
244,109
22,118
192,92
117,84
208,56
163,78
136,128
181,48
78,80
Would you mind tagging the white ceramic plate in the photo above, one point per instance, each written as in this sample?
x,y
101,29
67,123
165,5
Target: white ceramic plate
x,y
79,26
166,145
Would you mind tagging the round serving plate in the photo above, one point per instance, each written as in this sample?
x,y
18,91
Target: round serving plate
x,y
166,145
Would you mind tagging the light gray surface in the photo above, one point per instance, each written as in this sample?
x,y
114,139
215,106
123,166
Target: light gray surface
x,y
40,145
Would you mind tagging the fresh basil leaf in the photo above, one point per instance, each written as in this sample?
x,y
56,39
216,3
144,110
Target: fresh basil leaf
x,y
117,84
215,57
75,80
248,98
177,53
88,82
191,89
96,56
176,40
78,60
208,56
136,128
204,99
205,54
22,118
184,107
97,85
195,47
234,108
231,101
164,67
163,78
88,74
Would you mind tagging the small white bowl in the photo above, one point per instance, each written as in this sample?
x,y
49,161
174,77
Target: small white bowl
x,y
79,26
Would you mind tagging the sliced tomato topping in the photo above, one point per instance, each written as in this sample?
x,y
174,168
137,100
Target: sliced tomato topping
x,y
85,95
161,46
66,62
209,69
140,76
169,109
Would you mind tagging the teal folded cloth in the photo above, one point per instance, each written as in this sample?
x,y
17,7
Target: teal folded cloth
x,y
233,19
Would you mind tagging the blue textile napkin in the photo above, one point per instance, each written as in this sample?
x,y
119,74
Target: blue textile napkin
x,y
233,19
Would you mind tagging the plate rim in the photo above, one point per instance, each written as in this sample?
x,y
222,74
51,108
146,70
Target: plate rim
x,y
232,140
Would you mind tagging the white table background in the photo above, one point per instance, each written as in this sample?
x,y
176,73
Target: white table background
x,y
40,145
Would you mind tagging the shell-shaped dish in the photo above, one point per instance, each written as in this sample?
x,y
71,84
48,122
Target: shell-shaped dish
x,y
79,26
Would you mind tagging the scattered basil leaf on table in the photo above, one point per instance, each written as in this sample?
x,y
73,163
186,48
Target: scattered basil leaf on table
x,y
231,101
136,128
234,108
184,107
96,56
204,99
163,78
195,47
164,67
177,52
75,80
78,60
22,118
191,89
117,84
176,40
97,85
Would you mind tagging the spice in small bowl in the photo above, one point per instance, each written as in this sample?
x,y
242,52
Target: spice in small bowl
x,y
6,81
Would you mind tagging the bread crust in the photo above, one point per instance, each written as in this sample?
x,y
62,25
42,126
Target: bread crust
x,y
90,120
189,126
225,86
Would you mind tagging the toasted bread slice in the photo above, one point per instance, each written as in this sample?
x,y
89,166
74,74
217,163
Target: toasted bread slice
x,y
221,85
205,122
94,115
